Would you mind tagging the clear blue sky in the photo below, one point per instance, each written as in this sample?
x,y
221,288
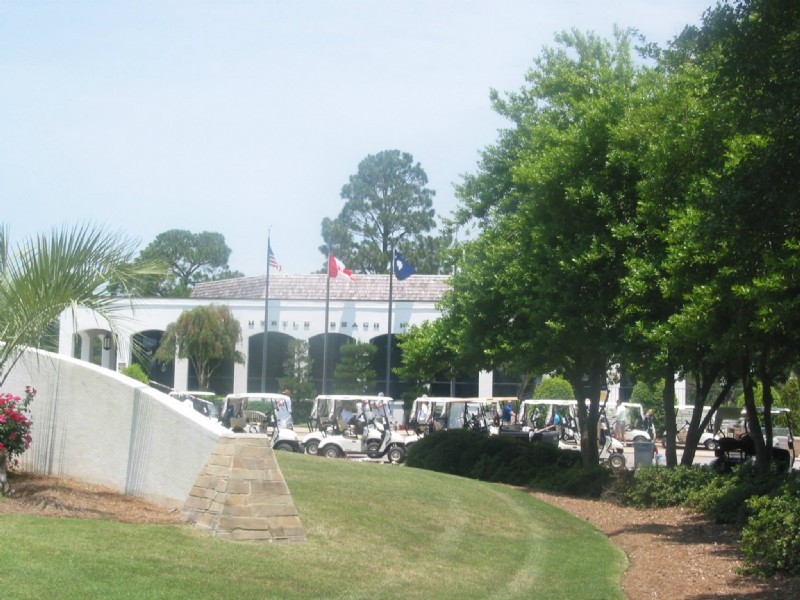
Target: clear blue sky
x,y
237,116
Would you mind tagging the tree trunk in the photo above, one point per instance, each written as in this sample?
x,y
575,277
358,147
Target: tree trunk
x,y
5,487
588,415
753,422
668,400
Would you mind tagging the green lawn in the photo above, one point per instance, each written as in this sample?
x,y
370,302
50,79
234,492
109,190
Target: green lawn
x,y
374,532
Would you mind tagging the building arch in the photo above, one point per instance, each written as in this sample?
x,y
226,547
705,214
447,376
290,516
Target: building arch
x,y
396,387
316,345
143,346
277,353
95,346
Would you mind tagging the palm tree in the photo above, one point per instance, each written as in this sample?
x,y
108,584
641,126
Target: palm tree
x,y
69,268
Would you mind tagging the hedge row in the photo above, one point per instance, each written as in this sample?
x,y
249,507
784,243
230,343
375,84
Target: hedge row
x,y
507,460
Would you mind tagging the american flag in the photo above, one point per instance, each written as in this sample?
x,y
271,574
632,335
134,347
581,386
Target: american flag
x,y
273,262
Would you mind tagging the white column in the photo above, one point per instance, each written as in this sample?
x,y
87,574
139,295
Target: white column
x,y
486,384
181,382
239,378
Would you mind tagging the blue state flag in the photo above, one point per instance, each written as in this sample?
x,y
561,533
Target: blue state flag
x,y
402,268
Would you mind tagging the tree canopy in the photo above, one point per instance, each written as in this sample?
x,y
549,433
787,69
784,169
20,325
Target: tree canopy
x,y
537,288
47,274
645,214
206,336
387,204
189,258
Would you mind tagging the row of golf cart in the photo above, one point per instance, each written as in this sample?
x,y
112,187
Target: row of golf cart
x,y
366,426
339,425
553,421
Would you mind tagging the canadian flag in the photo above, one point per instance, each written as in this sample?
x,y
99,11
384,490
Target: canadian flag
x,y
337,270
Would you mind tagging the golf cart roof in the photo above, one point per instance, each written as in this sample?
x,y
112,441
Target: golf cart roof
x,y
450,399
177,394
257,396
355,397
554,401
775,410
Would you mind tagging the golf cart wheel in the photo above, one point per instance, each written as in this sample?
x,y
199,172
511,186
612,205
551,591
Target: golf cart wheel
x,y
312,447
396,455
331,452
616,461
283,446
711,444
374,449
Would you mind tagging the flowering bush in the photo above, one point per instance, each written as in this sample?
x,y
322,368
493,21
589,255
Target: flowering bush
x,y
15,426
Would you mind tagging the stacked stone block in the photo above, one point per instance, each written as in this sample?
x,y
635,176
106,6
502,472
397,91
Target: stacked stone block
x,y
241,494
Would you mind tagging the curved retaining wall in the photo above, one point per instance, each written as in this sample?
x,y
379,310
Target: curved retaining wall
x,y
95,425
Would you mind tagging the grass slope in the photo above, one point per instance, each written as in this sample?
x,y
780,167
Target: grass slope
x,y
374,531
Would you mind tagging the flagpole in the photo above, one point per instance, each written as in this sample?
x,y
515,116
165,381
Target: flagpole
x,y
389,336
266,323
326,325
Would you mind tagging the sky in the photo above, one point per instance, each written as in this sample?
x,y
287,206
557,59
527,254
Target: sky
x,y
246,117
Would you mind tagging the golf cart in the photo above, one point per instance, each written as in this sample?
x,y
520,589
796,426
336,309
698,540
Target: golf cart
x,y
200,401
708,439
737,445
438,413
559,418
342,425
551,420
637,427
256,413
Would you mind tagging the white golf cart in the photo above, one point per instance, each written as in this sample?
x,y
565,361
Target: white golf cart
x,y
257,412
561,416
708,439
637,429
343,425
539,417
439,413
199,401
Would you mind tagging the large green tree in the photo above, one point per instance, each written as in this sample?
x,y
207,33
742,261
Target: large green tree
x,y
387,204
189,258
719,173
206,336
673,135
42,276
538,287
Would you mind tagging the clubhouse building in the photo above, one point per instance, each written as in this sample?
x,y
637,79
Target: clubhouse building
x,y
357,310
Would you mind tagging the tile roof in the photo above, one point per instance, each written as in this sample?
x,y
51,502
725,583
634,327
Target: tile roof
x,y
417,288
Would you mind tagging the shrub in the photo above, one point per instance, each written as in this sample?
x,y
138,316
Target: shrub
x,y
15,426
724,497
507,460
771,537
135,371
554,388
657,487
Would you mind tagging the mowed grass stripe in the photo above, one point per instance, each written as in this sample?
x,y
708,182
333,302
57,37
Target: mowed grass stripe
x,y
374,531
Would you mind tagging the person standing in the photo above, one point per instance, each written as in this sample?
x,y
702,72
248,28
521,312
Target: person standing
x,y
508,414
621,421
288,395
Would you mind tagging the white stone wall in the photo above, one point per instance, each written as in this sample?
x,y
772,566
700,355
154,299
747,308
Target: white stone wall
x,y
95,425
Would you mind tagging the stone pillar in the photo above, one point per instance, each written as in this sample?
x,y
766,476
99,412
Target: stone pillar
x,y
241,494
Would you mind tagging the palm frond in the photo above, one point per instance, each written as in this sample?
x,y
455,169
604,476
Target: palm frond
x,y
69,268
